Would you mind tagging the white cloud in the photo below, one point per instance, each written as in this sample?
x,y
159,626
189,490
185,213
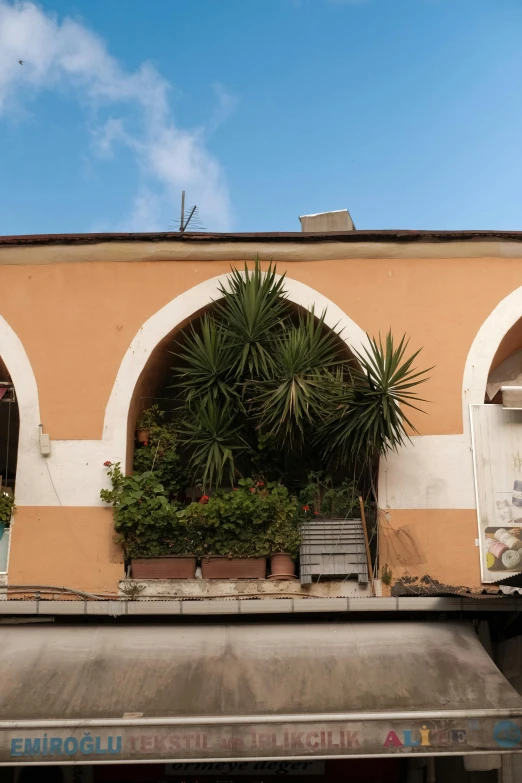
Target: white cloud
x,y
66,56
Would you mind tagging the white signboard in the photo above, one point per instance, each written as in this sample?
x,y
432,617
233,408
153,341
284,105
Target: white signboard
x,y
497,456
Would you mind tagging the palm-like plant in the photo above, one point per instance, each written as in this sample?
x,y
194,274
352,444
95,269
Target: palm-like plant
x,y
253,370
367,416
215,438
296,391
253,309
206,366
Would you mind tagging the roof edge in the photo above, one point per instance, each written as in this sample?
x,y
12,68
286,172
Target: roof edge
x,y
350,237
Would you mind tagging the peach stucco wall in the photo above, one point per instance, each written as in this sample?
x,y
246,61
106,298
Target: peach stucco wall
x,y
77,317
431,542
77,320
65,547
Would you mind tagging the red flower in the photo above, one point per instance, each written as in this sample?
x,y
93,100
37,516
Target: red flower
x,y
260,484
252,489
107,463
204,499
306,508
316,513
234,489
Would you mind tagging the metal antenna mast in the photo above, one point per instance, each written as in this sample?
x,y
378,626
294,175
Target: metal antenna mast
x,y
193,216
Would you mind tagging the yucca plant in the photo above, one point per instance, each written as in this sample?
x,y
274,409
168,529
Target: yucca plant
x,y
254,371
367,416
206,372
213,433
253,311
293,395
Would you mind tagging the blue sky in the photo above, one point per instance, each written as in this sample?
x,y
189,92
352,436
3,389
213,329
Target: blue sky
x,y
407,112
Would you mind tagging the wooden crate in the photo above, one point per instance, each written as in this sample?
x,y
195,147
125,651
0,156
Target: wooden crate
x,y
333,548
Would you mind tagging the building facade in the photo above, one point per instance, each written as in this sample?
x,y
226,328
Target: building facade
x,y
84,324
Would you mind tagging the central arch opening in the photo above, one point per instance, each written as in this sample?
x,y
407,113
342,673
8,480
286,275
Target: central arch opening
x,y
158,387
324,490
252,418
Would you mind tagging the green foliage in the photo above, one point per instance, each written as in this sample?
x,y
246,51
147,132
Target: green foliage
x,y
252,311
252,520
160,455
145,521
6,507
259,381
150,417
298,386
321,496
268,391
367,416
386,575
206,373
214,434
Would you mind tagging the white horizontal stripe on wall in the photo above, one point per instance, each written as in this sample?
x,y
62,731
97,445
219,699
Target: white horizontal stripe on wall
x,y
433,471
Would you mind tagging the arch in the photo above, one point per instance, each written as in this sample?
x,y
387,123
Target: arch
x,y
175,314
483,349
30,478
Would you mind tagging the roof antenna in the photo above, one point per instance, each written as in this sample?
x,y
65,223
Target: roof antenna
x,y
187,217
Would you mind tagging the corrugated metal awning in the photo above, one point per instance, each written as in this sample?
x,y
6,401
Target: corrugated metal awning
x,y
84,694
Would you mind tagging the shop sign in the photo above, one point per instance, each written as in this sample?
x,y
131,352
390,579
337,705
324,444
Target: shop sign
x,y
497,455
251,741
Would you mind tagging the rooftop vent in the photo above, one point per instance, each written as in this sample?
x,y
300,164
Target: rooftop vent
x,y
339,220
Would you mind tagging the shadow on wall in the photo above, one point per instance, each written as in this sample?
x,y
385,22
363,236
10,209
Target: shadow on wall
x,y
9,428
401,547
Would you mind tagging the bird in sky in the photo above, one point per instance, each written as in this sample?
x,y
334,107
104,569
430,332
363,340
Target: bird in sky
x,y
21,62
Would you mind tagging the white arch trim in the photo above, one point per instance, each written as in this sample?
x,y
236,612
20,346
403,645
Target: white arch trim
x,y
483,350
175,313
32,479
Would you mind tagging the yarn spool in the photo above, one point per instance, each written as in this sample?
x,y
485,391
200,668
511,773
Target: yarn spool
x,y
507,538
511,559
496,548
490,562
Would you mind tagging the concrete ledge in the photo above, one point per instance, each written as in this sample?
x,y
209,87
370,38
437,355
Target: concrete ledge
x,y
281,606
264,589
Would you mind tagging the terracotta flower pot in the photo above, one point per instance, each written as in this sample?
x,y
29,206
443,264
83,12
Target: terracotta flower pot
x,y
282,566
143,437
163,567
214,567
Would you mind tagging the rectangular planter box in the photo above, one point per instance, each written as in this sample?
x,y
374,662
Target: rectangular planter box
x,y
163,568
215,567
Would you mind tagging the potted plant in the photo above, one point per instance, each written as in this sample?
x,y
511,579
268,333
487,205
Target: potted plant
x,y
149,418
160,454
228,522
147,526
6,509
282,566
241,527
283,534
